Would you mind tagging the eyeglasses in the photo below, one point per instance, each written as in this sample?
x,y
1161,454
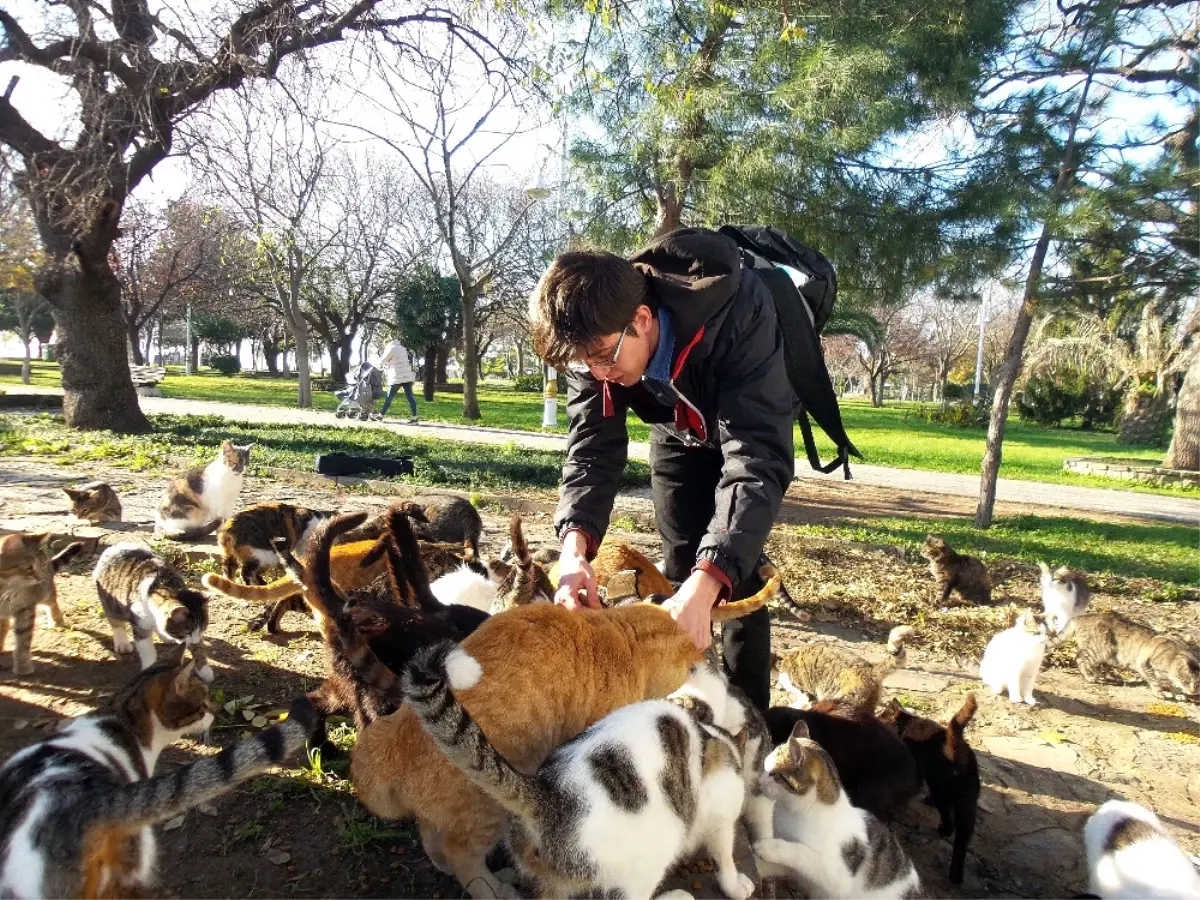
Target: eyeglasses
x,y
583,365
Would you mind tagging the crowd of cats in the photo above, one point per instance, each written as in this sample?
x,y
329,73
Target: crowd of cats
x,y
597,781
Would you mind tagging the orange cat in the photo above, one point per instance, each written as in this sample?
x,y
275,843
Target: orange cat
x,y
354,565
551,673
615,555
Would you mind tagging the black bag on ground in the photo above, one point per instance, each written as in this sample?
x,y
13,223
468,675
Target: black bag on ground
x,y
803,304
344,464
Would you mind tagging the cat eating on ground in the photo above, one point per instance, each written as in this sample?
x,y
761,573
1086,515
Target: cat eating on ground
x,y
140,590
823,672
1013,657
77,810
1107,640
197,501
821,841
94,502
246,539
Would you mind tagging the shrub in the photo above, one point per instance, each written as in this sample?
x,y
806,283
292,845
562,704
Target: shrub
x,y
962,414
225,364
1051,401
528,384
955,391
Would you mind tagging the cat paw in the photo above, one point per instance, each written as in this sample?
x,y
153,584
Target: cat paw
x,y
1030,700
258,623
772,850
675,894
121,644
737,886
205,673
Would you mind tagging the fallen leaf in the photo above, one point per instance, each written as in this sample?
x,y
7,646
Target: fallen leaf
x,y
174,823
248,715
258,721
279,857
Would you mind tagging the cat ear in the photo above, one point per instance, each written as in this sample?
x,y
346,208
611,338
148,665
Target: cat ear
x,y
184,675
1045,572
799,731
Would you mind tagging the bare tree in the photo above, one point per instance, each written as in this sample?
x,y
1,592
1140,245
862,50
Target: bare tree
x,y
949,330
449,107
136,75
895,344
274,170
20,305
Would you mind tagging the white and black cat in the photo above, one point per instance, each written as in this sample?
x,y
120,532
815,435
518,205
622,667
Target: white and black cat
x,y
77,810
197,501
613,809
1130,855
140,590
832,849
1013,657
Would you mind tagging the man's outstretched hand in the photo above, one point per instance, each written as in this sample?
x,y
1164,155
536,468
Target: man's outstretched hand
x,y
692,607
576,578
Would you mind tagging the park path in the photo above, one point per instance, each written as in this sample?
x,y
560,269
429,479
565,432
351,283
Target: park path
x,y
1058,496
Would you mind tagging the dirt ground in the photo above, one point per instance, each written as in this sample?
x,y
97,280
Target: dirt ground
x,y
301,832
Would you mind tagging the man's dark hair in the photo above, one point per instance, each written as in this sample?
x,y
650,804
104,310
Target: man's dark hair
x,y
583,296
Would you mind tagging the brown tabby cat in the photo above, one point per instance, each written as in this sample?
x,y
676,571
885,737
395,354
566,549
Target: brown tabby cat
x,y
528,708
355,565
957,572
523,581
824,672
439,518
1108,640
95,501
246,539
27,581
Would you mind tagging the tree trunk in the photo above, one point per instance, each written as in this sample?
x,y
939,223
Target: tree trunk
x,y
1010,368
1184,452
520,357
85,298
26,374
135,343
670,209
343,349
304,380
470,359
1143,419
441,370
270,350
877,385
431,363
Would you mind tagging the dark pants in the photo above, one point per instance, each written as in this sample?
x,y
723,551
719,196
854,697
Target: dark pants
x,y
395,389
683,481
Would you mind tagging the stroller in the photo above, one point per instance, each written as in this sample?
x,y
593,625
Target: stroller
x,y
359,396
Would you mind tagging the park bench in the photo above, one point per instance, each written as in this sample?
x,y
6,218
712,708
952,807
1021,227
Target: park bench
x,y
146,379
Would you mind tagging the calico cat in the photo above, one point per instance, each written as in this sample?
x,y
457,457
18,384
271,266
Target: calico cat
x,y
246,539
141,590
824,672
950,770
370,635
27,581
1107,640
528,708
199,500
1065,594
956,572
1131,856
877,771
1013,657
95,501
611,811
830,847
77,810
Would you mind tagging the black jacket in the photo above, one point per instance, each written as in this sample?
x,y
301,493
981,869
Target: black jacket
x,y
733,374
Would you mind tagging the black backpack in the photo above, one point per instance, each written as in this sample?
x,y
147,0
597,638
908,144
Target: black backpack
x,y
802,310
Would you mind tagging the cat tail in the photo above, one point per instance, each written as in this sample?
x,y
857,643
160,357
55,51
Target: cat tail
x,y
406,562
897,655
279,589
429,684
961,720
739,608
165,796
66,554
191,533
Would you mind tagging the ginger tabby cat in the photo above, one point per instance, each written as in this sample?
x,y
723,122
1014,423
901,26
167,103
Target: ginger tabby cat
x,y
613,556
551,673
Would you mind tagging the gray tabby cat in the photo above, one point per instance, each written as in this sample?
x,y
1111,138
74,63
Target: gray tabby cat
x,y
1108,640
27,581
76,810
831,848
95,501
197,501
142,591
612,810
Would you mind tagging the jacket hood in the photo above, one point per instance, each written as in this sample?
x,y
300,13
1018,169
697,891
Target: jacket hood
x,y
693,272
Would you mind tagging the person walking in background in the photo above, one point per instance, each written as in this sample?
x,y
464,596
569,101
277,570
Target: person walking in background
x,y
396,365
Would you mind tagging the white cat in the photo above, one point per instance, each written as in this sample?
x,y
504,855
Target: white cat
x,y
1131,855
1065,595
466,587
832,849
1013,657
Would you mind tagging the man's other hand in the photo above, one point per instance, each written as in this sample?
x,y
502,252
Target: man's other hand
x,y
576,578
692,607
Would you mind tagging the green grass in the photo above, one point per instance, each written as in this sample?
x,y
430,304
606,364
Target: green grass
x,y
193,440
886,437
1163,552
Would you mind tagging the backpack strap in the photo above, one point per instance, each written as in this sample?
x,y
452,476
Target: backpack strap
x,y
810,449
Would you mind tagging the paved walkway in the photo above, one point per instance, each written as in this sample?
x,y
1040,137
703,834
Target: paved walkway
x,y
1060,496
